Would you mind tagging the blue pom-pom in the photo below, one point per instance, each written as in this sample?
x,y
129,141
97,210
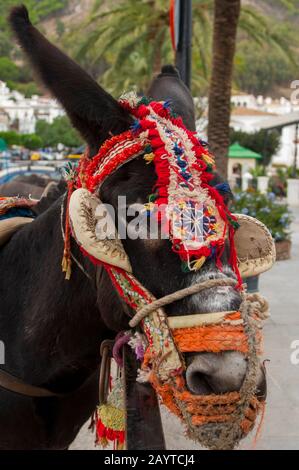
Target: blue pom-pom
x,y
223,188
167,104
178,150
136,126
213,253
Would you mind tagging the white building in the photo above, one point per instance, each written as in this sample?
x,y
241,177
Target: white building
x,y
250,114
248,119
21,114
4,120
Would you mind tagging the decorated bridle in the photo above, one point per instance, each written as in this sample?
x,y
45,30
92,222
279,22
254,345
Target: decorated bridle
x,y
184,170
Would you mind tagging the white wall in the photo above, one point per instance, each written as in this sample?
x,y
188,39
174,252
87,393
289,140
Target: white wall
x,y
26,111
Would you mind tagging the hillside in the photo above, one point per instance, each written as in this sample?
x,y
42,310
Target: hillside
x,y
54,17
279,9
71,15
265,69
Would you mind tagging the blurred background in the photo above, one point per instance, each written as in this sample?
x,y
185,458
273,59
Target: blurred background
x,y
110,39
240,60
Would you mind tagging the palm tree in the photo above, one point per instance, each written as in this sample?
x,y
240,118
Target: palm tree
x,y
127,40
226,17
133,35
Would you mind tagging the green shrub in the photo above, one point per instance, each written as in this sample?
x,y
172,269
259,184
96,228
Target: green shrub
x,y
266,143
60,131
27,89
8,70
31,141
266,208
278,183
11,138
259,170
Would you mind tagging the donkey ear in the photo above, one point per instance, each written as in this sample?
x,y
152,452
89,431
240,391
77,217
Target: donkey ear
x,y
92,111
169,86
254,245
94,230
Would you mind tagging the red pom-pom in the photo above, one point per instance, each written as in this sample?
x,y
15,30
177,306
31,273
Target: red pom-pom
x,y
157,142
147,124
142,111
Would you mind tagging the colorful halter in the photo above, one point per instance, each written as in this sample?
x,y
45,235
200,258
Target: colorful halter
x,y
184,171
217,421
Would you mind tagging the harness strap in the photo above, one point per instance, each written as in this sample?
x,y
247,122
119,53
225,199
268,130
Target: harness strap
x,y
13,384
177,295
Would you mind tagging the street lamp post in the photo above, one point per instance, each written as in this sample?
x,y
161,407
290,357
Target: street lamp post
x,y
182,28
296,142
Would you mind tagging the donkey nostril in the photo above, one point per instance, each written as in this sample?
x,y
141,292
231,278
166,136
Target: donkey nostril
x,y
198,373
216,373
197,383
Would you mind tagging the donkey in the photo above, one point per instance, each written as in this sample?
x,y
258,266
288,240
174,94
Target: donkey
x,y
33,186
52,328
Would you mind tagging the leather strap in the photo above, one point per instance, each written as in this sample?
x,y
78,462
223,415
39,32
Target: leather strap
x,y
13,384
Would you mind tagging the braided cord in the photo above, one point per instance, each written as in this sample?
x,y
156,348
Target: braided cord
x,y
180,294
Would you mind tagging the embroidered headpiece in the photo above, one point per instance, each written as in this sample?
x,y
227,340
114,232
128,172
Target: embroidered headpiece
x,y
190,209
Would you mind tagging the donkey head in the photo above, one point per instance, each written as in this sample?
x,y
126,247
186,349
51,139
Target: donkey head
x,y
98,116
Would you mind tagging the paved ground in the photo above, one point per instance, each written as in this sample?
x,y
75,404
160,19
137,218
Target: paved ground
x,y
281,424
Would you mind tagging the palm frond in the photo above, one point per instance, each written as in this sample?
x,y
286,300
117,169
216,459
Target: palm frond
x,y
99,15
127,50
127,35
258,28
111,41
90,40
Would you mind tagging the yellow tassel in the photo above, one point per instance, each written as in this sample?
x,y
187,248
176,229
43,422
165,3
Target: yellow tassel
x,y
63,264
149,206
208,159
103,442
66,267
112,417
68,271
197,264
148,157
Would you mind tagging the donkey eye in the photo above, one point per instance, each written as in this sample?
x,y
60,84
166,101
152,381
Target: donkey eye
x,y
126,176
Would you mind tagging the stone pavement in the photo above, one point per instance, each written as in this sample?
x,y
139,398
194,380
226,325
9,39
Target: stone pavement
x,y
281,425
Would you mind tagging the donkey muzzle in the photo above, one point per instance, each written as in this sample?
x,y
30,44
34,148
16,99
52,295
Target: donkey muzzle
x,y
209,373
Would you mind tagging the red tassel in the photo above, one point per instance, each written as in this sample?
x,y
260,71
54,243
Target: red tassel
x,y
157,142
107,434
142,111
67,260
153,133
146,124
